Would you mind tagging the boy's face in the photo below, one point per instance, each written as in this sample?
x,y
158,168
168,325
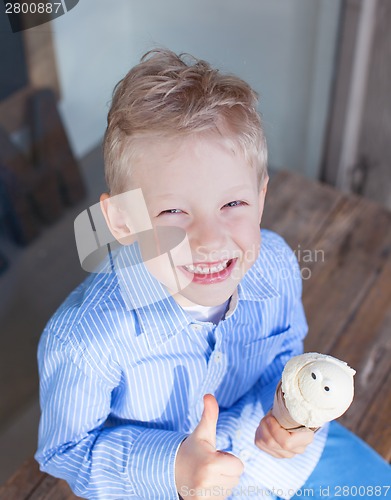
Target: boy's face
x,y
209,191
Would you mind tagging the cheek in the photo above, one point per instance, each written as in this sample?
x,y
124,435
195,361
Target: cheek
x,y
164,270
248,237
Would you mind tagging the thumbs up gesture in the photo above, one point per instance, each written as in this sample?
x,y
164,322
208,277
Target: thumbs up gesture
x,y
200,468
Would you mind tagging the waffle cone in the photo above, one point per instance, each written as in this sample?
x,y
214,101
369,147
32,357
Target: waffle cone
x,y
281,413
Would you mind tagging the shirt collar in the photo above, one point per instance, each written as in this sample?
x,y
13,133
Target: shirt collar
x,y
256,286
253,287
159,316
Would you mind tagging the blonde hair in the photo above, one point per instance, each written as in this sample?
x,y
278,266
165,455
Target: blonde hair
x,y
168,96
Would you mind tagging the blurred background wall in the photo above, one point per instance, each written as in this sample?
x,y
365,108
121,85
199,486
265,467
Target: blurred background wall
x,y
285,49
321,68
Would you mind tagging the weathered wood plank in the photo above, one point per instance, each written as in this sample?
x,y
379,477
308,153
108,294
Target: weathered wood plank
x,y
366,345
53,489
297,208
41,64
351,235
30,483
347,295
16,185
355,246
25,480
52,151
374,145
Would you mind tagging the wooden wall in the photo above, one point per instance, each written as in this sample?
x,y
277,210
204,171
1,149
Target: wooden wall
x,y
371,173
374,151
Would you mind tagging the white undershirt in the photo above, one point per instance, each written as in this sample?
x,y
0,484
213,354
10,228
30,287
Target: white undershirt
x,y
212,314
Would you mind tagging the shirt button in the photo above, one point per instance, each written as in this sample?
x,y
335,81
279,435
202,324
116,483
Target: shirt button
x,y
238,434
218,356
196,328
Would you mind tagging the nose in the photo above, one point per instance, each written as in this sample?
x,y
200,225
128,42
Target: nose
x,y
207,234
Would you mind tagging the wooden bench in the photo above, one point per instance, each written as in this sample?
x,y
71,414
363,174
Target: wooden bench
x,y
343,244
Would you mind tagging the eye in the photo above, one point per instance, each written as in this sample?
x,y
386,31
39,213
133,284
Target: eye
x,y
236,203
313,375
171,211
326,388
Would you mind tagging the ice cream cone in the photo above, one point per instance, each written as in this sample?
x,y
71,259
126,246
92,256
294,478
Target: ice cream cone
x,y
281,413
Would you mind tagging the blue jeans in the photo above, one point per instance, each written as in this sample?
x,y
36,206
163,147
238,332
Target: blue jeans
x,y
348,468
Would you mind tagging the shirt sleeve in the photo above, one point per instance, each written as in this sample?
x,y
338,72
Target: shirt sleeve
x,y
76,444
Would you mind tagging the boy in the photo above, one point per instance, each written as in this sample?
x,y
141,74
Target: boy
x,y
191,304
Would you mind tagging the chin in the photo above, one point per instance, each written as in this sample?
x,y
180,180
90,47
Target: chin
x,y
204,299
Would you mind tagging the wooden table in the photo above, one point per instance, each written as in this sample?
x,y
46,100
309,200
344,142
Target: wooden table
x,y
343,244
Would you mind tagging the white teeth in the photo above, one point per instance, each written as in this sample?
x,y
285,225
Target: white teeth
x,y
206,269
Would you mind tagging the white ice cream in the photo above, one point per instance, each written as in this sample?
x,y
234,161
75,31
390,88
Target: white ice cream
x,y
317,388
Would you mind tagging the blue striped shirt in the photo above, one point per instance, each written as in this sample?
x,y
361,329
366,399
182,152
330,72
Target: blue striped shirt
x,y
123,374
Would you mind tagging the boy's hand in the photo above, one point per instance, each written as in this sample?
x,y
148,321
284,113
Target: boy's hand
x,y
199,466
279,442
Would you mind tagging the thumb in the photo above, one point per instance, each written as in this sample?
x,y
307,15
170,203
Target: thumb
x,y
206,428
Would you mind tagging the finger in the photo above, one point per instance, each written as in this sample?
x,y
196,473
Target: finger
x,y
206,428
281,436
264,436
300,440
287,438
277,453
307,435
295,442
265,441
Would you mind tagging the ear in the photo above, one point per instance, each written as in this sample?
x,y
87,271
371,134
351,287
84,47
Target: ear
x,y
115,220
262,196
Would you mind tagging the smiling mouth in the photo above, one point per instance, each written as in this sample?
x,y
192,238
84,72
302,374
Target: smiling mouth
x,y
208,268
211,272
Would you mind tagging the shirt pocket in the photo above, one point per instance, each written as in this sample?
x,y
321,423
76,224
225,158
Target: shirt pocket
x,y
267,348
